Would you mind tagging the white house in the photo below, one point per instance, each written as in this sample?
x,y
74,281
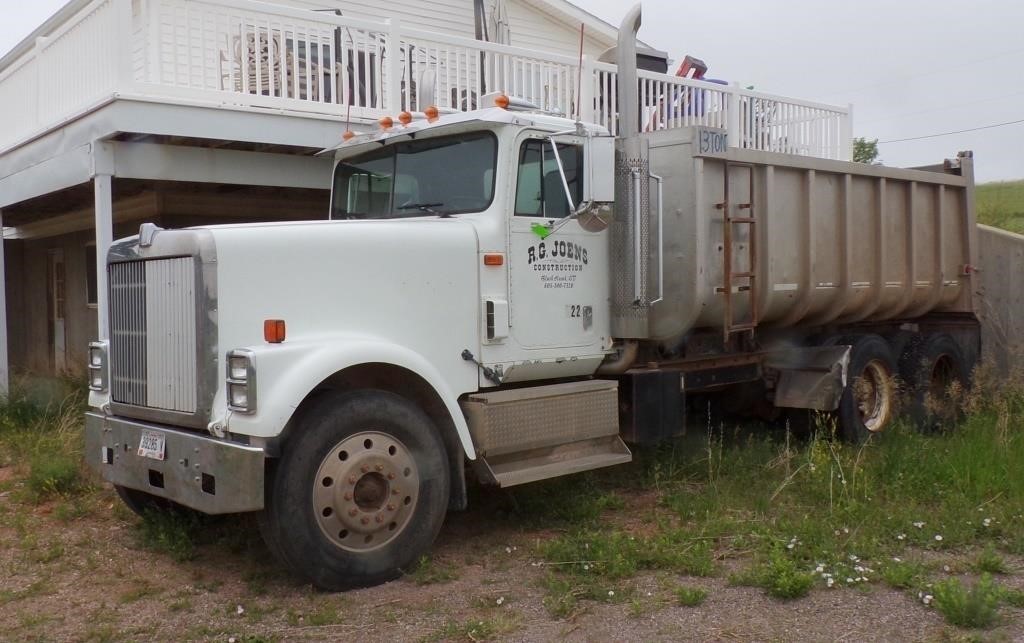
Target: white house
x,y
185,112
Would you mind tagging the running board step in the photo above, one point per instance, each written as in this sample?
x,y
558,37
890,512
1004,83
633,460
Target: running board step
x,y
529,434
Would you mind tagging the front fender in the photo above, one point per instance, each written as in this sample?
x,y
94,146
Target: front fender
x,y
286,373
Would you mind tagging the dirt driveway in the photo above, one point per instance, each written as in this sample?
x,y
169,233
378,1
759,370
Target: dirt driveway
x,y
84,571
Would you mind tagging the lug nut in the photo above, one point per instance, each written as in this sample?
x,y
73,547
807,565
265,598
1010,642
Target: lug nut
x,y
391,476
380,467
380,518
348,496
365,521
364,469
353,512
351,479
391,507
394,492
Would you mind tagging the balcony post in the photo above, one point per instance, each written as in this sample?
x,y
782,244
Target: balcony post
x,y
5,378
585,99
393,45
124,34
846,135
733,115
103,171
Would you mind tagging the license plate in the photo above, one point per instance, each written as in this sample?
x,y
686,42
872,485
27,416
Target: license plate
x,y
151,445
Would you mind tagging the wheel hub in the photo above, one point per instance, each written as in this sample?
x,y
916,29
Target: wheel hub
x,y
365,491
873,392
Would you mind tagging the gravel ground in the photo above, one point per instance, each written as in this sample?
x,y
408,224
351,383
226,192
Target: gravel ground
x,y
88,579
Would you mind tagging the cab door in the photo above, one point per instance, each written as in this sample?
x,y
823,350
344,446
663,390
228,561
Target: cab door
x,y
558,271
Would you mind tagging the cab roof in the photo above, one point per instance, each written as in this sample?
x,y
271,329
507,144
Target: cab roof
x,y
461,121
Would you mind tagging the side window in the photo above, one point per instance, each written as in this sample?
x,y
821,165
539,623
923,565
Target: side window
x,y
365,187
539,189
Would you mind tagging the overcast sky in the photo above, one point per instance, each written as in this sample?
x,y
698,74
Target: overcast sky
x,y
909,67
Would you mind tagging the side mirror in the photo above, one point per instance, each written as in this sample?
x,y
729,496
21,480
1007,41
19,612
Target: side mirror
x,y
600,162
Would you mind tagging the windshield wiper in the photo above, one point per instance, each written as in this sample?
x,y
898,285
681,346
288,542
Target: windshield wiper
x,y
424,207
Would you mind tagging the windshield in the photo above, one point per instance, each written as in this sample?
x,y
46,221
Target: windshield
x,y
431,177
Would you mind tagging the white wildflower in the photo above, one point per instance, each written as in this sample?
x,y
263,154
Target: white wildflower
x,y
501,599
938,538
239,610
987,522
611,592
896,560
586,567
830,582
901,537
945,568
927,600
919,524
846,530
849,580
508,550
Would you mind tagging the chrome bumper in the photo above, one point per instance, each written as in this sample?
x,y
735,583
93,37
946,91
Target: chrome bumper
x,y
206,474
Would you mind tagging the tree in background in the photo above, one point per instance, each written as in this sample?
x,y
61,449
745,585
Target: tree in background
x,y
865,151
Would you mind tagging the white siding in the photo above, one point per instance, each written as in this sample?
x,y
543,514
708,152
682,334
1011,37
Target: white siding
x,y
453,17
534,29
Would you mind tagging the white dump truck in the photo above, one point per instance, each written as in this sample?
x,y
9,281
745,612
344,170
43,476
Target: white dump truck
x,y
516,293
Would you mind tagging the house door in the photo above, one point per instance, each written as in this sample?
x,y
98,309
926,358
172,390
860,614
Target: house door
x,y
56,306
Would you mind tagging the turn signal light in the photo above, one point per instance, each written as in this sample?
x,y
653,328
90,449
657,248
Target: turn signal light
x,y
405,118
386,123
273,330
432,113
494,259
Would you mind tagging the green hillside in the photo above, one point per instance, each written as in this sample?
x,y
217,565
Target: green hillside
x,y
1002,205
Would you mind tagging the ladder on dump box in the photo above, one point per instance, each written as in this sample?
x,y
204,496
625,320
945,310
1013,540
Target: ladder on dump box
x,y
744,206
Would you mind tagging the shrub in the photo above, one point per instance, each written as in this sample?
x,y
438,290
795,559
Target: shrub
x,y
691,596
975,607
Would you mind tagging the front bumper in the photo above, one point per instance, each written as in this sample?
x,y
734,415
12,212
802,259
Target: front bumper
x,y
210,475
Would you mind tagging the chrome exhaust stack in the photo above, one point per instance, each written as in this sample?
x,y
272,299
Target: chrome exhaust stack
x,y
630,234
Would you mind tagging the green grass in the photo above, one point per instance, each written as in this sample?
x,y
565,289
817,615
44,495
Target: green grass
x,y
1001,205
429,572
48,439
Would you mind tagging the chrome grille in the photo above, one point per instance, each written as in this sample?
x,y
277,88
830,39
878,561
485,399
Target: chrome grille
x,y
153,333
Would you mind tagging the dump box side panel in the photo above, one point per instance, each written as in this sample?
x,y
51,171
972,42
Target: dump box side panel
x,y
832,241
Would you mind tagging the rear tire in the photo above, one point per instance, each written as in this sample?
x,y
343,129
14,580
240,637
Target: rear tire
x,y
869,401
360,492
929,367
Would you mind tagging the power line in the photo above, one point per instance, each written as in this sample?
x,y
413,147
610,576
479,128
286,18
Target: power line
x,y
959,131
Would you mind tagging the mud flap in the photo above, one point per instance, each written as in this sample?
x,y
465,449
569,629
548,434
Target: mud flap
x,y
809,378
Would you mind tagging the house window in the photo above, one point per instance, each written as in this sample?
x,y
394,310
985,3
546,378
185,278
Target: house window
x,y
90,274
539,190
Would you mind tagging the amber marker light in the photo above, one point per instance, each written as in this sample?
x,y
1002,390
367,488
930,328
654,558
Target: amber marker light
x,y
432,113
502,101
405,118
386,123
273,330
348,135
494,259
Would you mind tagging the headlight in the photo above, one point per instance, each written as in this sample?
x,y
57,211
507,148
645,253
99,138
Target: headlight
x,y
241,381
98,366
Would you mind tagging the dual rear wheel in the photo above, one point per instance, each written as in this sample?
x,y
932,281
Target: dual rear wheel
x,y
929,368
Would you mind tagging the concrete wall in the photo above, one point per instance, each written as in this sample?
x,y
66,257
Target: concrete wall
x,y
1000,298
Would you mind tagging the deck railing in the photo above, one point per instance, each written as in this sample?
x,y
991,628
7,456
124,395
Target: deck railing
x,y
250,54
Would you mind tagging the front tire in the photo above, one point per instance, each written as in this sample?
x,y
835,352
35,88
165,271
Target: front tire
x,y
360,492
868,404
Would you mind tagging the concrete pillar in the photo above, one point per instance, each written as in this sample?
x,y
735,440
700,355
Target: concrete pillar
x,y
5,380
102,184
